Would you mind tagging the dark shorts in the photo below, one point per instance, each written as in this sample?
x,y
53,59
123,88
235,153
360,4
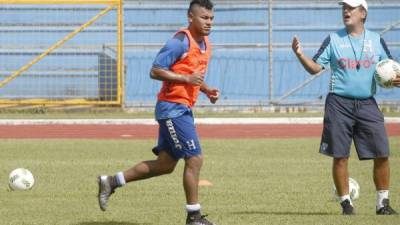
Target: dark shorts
x,y
178,137
349,119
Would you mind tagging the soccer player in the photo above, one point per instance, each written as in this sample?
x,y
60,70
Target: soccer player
x,y
181,65
351,112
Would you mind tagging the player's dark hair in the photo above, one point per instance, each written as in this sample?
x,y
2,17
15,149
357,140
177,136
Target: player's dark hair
x,y
202,3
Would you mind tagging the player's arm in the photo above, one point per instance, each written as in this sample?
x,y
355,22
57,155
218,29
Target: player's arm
x,y
308,63
169,76
173,51
212,93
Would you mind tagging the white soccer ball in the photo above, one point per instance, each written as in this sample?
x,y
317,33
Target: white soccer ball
x,y
21,179
354,190
386,71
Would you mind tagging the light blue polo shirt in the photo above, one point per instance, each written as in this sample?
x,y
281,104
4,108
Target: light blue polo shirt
x,y
341,53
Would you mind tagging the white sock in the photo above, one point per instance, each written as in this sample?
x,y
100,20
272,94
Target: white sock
x,y
120,179
344,197
193,208
380,195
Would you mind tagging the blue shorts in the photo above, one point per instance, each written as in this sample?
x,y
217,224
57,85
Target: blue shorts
x,y
178,137
349,119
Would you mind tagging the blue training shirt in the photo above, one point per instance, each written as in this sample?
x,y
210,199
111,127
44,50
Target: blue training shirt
x,y
342,52
175,49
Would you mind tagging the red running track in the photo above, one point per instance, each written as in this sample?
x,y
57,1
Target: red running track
x,y
150,131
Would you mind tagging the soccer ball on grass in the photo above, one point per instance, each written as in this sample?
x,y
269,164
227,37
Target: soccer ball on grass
x,y
20,179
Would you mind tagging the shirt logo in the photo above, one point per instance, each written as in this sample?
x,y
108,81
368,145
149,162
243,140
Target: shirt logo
x,y
172,133
324,147
349,63
191,145
368,46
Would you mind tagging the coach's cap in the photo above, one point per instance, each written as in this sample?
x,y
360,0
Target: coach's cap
x,y
355,3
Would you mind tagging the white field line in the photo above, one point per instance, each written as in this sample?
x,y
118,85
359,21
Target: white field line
x,y
208,121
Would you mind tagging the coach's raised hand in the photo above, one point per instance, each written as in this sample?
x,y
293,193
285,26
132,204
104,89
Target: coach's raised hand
x,y
296,47
308,64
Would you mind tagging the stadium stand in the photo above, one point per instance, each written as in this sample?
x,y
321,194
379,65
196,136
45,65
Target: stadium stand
x,y
240,36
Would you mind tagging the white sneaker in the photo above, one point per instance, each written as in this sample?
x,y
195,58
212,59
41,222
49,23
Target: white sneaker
x,y
105,191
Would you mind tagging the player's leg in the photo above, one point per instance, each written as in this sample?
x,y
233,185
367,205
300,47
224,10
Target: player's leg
x,y
336,142
372,143
164,164
191,175
185,136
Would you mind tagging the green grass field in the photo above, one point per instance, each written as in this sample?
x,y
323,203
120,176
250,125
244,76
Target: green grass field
x,y
256,182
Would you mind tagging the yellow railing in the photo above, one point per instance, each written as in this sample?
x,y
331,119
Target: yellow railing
x,y
56,2
110,5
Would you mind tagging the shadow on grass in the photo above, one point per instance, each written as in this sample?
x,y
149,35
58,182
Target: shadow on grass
x,y
111,223
283,213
